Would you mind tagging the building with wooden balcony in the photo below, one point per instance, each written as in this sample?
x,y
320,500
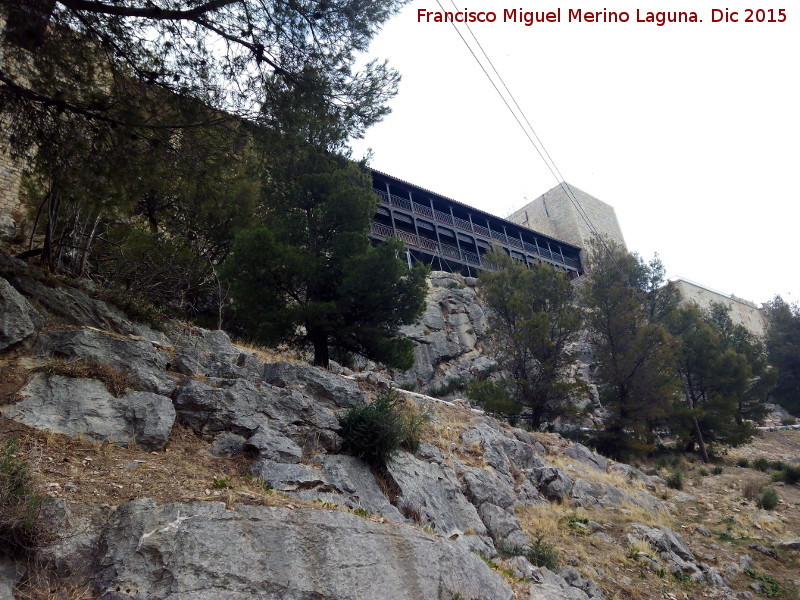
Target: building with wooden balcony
x,y
451,236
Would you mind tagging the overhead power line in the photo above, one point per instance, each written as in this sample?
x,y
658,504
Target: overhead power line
x,y
549,162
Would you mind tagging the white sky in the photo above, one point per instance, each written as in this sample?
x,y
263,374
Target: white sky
x,y
690,131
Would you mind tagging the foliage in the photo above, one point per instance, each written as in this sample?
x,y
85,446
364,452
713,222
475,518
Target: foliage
x,y
154,216
374,432
495,398
717,470
767,499
309,276
542,554
625,301
453,384
723,370
769,586
751,489
217,53
532,320
742,462
761,464
783,348
675,479
21,529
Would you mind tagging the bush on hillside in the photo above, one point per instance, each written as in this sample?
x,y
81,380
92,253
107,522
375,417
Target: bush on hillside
x,y
20,506
375,432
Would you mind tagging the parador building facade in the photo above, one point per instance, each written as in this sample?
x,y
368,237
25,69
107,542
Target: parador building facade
x,y
451,236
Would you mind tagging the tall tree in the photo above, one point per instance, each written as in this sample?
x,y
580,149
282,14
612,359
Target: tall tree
x,y
635,354
783,347
722,370
532,320
309,275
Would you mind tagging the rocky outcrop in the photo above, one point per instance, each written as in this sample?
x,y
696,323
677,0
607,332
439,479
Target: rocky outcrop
x,y
448,336
241,407
203,551
144,366
18,319
85,407
76,308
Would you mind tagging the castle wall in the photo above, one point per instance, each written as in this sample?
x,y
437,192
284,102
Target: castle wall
x,y
10,177
742,312
555,214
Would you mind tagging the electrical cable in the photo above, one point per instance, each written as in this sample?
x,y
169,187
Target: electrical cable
x,y
554,170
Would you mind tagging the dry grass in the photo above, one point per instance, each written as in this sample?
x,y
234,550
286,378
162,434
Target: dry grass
x,y
272,355
88,367
615,479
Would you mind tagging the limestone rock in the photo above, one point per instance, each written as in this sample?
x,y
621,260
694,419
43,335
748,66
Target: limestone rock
x,y
196,552
504,528
210,353
239,406
227,444
353,479
434,492
576,580
10,573
287,477
18,319
144,365
481,486
8,228
547,585
273,445
76,308
552,482
671,548
330,389
585,456
84,406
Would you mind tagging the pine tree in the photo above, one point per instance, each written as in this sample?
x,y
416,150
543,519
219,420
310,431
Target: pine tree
x,y
309,275
635,353
533,320
783,347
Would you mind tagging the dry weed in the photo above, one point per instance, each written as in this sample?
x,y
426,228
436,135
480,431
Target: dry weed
x,y
88,367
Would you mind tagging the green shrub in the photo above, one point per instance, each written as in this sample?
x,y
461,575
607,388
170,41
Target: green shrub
x,y
792,474
541,554
376,431
768,499
20,506
777,465
789,421
778,476
743,462
703,472
675,480
761,464
717,470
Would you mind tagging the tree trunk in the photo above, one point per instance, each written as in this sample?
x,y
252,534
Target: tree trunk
x,y
321,354
700,442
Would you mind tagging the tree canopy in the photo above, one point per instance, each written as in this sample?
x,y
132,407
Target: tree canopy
x,y
532,320
309,275
724,377
76,56
783,346
635,353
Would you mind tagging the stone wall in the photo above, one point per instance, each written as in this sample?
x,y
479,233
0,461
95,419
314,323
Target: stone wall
x,y
742,312
10,166
554,214
10,176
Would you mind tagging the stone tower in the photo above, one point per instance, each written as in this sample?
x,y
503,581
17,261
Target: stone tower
x,y
554,213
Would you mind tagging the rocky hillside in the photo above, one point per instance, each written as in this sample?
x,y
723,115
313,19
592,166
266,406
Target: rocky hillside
x,y
183,467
